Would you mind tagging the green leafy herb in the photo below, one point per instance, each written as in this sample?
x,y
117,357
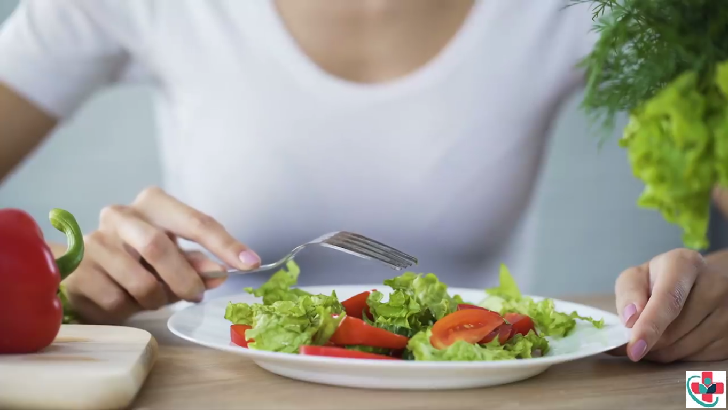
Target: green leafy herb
x,y
657,60
644,45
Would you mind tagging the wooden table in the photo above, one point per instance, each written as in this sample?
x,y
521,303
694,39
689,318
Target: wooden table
x,y
188,376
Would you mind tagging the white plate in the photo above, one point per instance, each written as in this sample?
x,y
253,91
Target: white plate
x,y
204,324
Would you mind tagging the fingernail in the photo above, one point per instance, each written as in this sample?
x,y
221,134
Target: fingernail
x,y
249,258
628,312
638,350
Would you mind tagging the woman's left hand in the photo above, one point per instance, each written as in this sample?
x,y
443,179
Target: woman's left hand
x,y
677,307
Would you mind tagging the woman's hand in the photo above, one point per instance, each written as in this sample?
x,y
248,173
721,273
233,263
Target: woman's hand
x,y
112,284
677,307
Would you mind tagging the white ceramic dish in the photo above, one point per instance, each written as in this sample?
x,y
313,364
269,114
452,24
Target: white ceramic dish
x,y
204,324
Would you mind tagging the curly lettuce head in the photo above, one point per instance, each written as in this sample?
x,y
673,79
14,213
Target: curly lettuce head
x,y
678,146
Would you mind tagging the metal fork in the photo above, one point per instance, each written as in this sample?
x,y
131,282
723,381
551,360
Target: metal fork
x,y
348,242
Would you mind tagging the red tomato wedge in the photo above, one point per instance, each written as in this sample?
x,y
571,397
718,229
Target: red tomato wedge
x,y
522,324
353,331
328,351
237,335
469,325
503,332
356,305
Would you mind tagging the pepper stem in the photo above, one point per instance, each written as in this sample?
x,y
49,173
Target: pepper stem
x,y
66,223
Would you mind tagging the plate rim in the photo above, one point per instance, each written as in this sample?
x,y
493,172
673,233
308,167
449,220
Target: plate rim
x,y
256,355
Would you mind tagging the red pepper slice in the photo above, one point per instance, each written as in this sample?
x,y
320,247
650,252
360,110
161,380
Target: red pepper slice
x,y
237,335
522,324
353,331
328,351
356,305
503,332
469,325
30,279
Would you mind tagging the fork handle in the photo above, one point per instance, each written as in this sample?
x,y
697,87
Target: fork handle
x,y
224,274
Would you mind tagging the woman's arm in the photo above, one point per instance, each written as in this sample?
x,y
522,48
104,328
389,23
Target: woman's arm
x,y
23,126
53,56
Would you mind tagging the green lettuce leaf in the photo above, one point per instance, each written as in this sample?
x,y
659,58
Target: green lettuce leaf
x,y
279,286
519,347
417,302
507,285
669,141
285,325
401,310
507,298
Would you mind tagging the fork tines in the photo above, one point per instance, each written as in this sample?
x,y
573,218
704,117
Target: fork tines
x,y
362,246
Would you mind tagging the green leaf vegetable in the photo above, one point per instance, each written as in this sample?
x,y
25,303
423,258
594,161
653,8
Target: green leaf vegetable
x,y
519,347
289,318
663,62
549,322
279,286
416,303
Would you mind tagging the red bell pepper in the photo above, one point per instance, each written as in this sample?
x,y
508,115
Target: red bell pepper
x,y
30,279
237,335
327,351
353,331
356,306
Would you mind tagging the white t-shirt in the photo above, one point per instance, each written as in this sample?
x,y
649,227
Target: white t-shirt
x,y
440,163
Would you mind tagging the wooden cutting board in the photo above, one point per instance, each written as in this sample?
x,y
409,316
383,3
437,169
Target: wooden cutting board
x,y
86,367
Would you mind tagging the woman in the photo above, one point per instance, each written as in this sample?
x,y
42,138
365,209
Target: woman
x,y
417,122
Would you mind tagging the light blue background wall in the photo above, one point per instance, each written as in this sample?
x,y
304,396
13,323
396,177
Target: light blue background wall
x,y
588,226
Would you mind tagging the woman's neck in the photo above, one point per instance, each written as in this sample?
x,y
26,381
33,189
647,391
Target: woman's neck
x,y
373,41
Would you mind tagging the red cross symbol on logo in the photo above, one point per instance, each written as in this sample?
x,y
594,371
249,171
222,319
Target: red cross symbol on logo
x,y
708,387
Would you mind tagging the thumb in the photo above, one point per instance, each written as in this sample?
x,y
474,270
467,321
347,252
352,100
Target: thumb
x,y
201,263
632,291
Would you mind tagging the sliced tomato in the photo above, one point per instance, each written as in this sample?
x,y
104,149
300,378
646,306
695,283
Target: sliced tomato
x,y
503,333
356,305
522,324
329,351
353,331
237,335
469,325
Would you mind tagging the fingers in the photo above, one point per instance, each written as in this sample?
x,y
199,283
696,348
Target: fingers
x,y
157,249
632,290
705,296
717,350
97,298
127,272
202,263
695,342
672,275
168,213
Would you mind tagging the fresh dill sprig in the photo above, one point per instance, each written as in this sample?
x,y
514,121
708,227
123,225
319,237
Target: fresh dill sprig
x,y
646,44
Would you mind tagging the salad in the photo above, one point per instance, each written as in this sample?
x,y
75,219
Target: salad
x,y
419,320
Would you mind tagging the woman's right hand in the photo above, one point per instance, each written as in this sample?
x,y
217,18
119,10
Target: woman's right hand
x,y
112,283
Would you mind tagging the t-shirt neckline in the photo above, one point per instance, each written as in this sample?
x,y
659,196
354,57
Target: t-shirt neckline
x,y
311,75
